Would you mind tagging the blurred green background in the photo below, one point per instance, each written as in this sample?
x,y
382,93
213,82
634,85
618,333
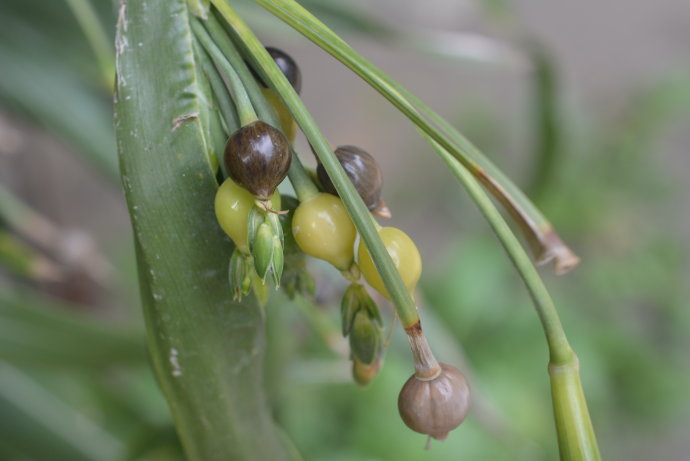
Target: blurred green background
x,y
585,104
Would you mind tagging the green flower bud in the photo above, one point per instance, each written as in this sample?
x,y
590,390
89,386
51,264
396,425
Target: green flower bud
x,y
262,249
239,274
365,338
254,220
274,220
362,373
357,298
349,307
277,261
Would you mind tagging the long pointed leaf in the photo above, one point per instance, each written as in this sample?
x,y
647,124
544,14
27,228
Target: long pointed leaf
x,y
206,349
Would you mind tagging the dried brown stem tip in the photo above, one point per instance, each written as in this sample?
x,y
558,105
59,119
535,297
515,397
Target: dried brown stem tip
x,y
552,248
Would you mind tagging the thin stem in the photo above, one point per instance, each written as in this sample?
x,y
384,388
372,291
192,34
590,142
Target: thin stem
x,y
25,261
244,105
323,325
57,242
425,365
97,38
299,178
220,92
576,437
403,302
559,348
542,238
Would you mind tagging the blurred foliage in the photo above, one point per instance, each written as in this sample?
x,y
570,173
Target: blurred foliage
x,y
75,384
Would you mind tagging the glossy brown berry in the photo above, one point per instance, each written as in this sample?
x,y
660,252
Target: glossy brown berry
x,y
364,173
287,66
436,406
257,157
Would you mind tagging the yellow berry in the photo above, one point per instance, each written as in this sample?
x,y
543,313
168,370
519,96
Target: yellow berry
x,y
233,204
402,251
287,123
323,229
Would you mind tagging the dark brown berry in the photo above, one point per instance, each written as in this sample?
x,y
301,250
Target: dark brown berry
x,y
362,169
436,406
257,157
287,66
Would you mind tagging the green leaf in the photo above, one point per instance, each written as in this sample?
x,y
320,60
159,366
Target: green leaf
x,y
36,331
47,74
56,430
206,349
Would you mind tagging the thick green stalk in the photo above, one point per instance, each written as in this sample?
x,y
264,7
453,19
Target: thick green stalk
x,y
576,438
403,302
545,243
206,350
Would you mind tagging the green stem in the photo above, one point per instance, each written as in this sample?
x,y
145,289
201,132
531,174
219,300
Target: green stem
x,y
545,243
559,348
25,261
576,437
89,440
220,92
547,151
299,178
97,38
403,302
323,325
243,104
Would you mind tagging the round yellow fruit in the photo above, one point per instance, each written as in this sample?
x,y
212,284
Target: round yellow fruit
x,y
404,254
323,229
233,204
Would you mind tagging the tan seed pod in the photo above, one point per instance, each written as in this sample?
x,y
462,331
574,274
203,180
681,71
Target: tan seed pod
x,y
435,406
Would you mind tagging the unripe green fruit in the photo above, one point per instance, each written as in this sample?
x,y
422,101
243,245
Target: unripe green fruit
x,y
323,229
233,204
402,251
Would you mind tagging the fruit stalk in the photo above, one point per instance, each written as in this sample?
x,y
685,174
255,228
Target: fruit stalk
x,y
245,109
425,364
576,437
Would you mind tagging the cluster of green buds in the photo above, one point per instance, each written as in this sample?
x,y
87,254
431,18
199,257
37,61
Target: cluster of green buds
x,y
266,241
363,325
272,240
